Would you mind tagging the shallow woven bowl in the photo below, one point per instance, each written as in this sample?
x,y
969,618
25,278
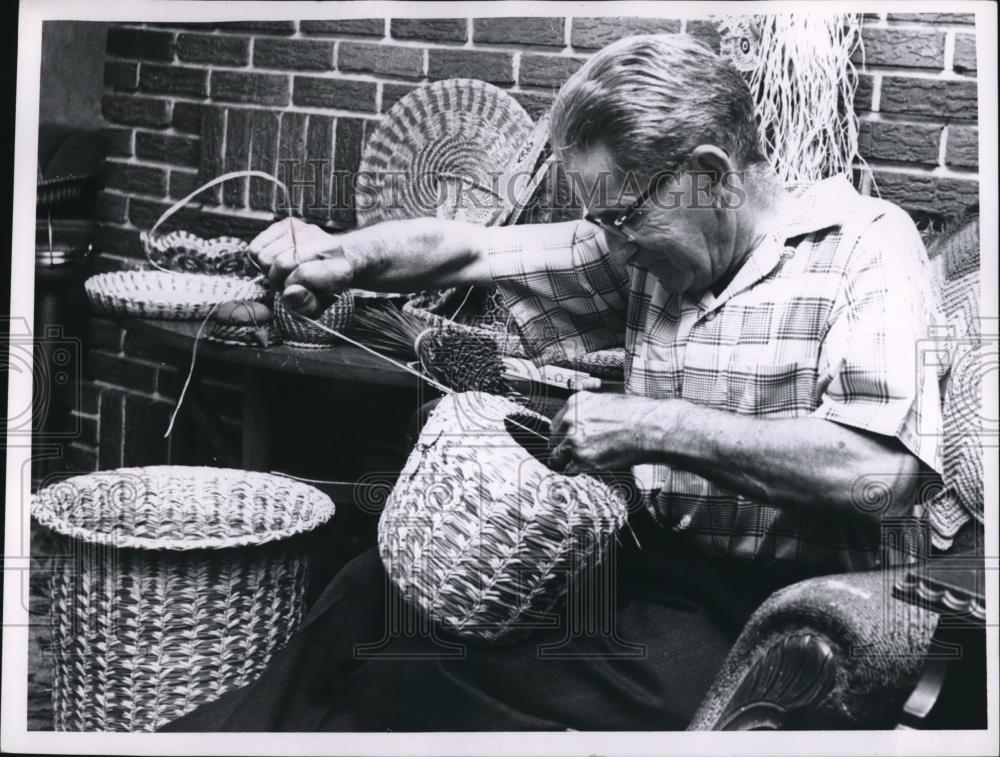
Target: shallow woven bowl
x,y
480,535
187,252
170,586
157,294
296,332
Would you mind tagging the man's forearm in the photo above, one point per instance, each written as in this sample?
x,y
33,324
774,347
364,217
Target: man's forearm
x,y
804,462
422,253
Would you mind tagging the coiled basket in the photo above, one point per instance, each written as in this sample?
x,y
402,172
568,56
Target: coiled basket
x,y
170,585
478,533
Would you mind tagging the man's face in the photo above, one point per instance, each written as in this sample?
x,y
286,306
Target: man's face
x,y
677,236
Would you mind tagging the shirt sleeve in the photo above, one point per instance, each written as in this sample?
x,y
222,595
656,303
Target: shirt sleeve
x,y
877,366
566,291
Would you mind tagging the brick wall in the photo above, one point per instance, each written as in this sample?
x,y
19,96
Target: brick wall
x,y
186,102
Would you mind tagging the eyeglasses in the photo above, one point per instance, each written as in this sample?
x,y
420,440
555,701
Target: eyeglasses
x,y
633,211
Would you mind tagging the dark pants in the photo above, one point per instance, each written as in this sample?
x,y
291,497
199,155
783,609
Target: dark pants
x,y
676,615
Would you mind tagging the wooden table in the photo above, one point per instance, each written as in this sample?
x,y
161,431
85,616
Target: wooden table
x,y
340,362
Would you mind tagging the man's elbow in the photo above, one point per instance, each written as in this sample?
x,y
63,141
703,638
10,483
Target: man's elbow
x,y
883,485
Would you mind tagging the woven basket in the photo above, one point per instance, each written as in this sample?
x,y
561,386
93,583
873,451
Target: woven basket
x,y
242,335
155,294
186,252
609,363
481,535
296,332
508,342
172,585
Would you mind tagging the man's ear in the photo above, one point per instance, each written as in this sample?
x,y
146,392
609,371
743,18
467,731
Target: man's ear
x,y
711,166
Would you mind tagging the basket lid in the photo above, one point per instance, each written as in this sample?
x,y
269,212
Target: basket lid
x,y
438,150
180,507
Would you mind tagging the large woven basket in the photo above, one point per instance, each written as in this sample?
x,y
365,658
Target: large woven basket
x,y
157,294
481,535
171,586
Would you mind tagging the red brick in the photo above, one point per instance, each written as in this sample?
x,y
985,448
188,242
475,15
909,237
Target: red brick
x,y
89,396
546,70
893,140
920,192
104,334
530,30
393,93
183,183
291,152
496,68
263,152
166,148
239,87
913,48
187,117
293,54
704,31
431,29
144,44
121,371
197,220
135,111
135,179
929,97
598,32
173,80
346,161
111,422
360,27
218,49
388,60
346,94
935,18
962,148
319,151
121,75
535,103
111,207
117,141
237,156
213,134
863,94
117,241
965,53
266,27
82,457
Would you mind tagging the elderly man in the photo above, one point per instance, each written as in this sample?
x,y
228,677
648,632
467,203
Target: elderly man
x,y
771,376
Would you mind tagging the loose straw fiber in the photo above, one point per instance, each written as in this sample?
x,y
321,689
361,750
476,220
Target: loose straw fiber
x,y
173,586
478,533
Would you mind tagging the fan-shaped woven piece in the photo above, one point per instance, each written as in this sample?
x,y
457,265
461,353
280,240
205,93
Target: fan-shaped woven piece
x,y
184,251
297,332
481,535
157,294
173,585
437,153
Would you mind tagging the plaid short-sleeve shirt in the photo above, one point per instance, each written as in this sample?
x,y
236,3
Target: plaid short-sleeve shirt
x,y
825,320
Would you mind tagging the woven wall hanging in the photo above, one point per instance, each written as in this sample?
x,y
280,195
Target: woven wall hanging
x,y
478,533
173,585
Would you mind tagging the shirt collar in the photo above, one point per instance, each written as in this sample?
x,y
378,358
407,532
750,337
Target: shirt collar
x,y
819,205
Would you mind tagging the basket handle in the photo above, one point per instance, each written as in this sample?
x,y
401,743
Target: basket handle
x,y
207,185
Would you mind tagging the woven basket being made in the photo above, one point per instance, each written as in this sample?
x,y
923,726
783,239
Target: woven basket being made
x,y
508,341
479,534
296,332
186,252
172,585
156,294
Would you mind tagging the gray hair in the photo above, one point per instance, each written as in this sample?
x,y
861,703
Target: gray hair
x,y
650,100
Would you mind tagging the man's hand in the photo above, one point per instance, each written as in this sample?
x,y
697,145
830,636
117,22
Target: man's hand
x,y
303,262
600,432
